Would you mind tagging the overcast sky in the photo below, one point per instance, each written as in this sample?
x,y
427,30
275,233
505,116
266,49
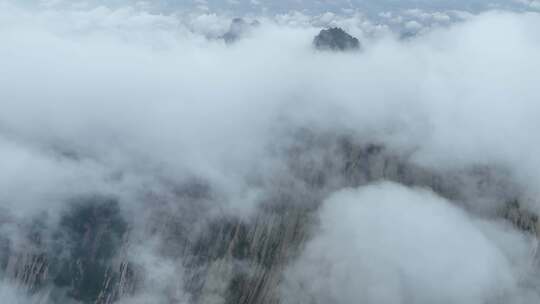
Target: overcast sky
x,y
371,5
312,6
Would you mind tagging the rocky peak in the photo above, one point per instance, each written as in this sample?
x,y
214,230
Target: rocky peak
x,y
335,39
238,28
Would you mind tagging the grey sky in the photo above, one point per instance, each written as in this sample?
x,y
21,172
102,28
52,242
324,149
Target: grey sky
x,y
308,6
338,5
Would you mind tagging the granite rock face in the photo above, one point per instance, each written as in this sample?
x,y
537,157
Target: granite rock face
x,y
336,39
92,253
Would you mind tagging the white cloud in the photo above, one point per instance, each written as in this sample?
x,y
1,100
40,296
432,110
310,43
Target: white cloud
x,y
125,101
389,244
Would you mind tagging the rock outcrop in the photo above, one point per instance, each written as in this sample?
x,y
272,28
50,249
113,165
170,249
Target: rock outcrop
x,y
228,259
335,39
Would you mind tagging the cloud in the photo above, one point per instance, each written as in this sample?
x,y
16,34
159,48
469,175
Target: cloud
x,y
386,243
532,4
12,295
156,111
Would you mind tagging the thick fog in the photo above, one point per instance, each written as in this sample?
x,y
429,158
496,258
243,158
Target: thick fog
x,y
388,244
135,103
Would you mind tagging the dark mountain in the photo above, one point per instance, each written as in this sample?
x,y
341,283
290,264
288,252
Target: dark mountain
x,y
85,257
335,39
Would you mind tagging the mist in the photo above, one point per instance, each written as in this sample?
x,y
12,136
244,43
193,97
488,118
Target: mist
x,y
406,172
372,248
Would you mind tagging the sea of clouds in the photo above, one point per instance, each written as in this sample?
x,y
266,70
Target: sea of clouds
x,y
125,99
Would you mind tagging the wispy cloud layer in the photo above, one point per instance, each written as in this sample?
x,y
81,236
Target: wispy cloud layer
x,y
134,103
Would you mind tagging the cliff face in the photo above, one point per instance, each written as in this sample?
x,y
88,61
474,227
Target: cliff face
x,y
90,254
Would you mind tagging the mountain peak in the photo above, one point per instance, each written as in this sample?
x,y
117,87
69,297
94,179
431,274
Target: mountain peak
x,y
335,39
